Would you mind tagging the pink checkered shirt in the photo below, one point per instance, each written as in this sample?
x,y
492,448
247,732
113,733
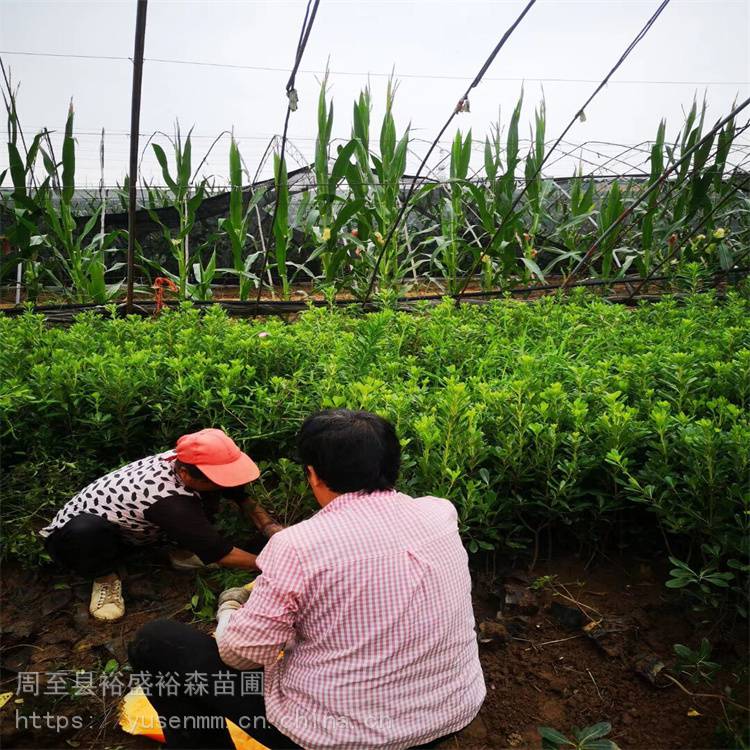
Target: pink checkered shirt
x,y
371,600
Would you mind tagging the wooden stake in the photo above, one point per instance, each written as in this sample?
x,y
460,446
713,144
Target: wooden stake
x,y
135,121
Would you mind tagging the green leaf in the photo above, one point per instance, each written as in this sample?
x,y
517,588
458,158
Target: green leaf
x,y
552,735
680,564
676,583
601,745
161,157
111,666
533,267
17,171
68,159
235,179
594,732
342,162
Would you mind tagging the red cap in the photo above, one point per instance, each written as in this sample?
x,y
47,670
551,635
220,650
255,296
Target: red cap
x,y
217,456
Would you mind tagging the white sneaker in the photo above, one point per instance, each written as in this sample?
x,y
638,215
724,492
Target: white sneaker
x,y
106,598
182,559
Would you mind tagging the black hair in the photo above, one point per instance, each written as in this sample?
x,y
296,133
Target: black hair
x,y
351,451
191,469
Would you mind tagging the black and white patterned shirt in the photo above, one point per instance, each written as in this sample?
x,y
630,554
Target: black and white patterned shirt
x,y
147,500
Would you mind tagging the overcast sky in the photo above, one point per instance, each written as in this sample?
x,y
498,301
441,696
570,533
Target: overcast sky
x,y
435,47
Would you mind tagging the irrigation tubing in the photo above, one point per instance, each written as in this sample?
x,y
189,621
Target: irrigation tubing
x,y
291,94
289,306
580,113
583,263
462,103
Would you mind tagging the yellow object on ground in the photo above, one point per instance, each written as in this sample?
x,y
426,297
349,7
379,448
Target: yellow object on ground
x,y
138,716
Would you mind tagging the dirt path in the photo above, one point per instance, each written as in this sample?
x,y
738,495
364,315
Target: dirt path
x,y
542,665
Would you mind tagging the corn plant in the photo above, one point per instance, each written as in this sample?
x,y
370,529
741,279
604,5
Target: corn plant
x,y
690,193
375,181
236,226
691,196
332,212
282,231
502,189
537,190
25,202
450,244
612,206
648,240
81,254
185,198
342,224
575,209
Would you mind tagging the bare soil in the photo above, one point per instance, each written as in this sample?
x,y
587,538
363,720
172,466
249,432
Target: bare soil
x,y
544,662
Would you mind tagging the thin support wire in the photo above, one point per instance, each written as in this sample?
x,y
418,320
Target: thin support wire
x,y
657,184
462,106
580,114
681,243
291,106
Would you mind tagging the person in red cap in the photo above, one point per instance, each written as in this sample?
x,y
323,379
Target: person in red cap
x,y
170,495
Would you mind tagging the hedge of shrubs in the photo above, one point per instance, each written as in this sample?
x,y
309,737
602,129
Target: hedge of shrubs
x,y
574,416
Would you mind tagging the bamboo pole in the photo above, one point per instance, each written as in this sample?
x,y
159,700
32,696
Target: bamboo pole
x,y
135,120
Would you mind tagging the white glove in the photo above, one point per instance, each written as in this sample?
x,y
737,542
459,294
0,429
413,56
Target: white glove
x,y
230,600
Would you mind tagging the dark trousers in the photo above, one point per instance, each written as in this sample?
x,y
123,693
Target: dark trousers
x,y
165,648
174,654
88,545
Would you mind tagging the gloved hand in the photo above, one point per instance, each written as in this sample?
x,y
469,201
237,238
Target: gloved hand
x,y
237,594
231,599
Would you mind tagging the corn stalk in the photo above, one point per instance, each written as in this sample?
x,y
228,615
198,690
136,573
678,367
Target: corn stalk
x,y
375,181
80,253
180,187
236,226
332,211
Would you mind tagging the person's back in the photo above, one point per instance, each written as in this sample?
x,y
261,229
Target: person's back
x,y
375,593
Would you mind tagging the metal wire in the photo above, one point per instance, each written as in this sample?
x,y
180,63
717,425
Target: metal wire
x,y
458,108
696,228
583,263
578,115
291,94
373,74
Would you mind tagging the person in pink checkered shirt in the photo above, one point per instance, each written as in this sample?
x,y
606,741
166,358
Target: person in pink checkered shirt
x,y
360,627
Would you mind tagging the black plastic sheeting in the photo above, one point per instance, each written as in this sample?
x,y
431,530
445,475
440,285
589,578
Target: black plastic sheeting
x,y
212,206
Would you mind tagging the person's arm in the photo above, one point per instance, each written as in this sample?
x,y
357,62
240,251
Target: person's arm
x,y
257,631
256,515
238,558
253,512
230,601
183,520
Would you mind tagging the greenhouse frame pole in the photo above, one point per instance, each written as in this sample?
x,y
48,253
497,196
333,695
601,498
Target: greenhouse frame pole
x,y
135,119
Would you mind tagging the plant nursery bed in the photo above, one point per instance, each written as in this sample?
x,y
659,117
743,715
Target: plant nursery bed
x,y
564,646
